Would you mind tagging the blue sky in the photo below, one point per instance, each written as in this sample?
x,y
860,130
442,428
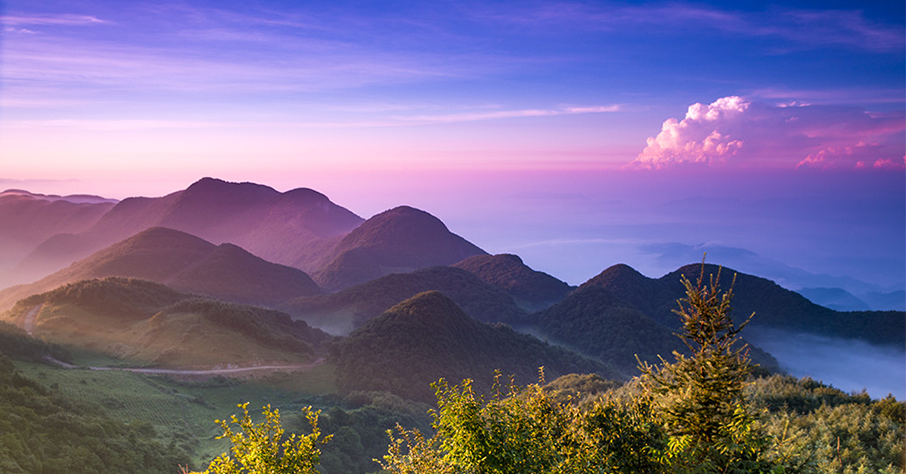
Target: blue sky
x,y
384,103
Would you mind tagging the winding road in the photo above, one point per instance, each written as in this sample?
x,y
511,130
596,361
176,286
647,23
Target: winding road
x,y
232,370
30,317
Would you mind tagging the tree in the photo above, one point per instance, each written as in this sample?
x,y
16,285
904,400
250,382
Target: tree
x,y
525,431
262,448
700,398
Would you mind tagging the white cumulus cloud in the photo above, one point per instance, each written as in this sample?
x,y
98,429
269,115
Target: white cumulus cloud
x,y
737,132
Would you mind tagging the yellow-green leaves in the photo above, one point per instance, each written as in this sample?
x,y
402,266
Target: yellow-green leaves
x,y
264,448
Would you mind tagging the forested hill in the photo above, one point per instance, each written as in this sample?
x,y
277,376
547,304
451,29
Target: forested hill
x,y
531,289
773,305
147,323
428,337
350,308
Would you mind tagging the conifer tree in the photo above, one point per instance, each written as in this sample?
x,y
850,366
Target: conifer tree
x,y
700,397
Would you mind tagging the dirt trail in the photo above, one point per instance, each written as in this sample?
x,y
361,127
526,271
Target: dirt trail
x,y
30,317
231,370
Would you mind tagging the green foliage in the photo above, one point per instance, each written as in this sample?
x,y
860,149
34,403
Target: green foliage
x,y
524,430
816,428
43,431
700,398
15,343
264,448
429,337
593,320
269,327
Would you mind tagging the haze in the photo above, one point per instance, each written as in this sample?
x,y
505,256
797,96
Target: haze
x,y
577,135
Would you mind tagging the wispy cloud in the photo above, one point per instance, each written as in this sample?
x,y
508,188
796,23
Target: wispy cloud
x,y
504,114
64,19
799,27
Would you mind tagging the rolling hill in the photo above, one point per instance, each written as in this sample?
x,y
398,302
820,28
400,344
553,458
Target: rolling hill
x,y
341,312
428,337
399,240
184,262
146,323
292,228
774,306
532,290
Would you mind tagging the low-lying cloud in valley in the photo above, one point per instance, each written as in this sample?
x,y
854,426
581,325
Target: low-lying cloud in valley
x,y
848,364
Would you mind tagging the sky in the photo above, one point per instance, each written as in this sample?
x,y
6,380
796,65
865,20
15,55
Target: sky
x,y
575,134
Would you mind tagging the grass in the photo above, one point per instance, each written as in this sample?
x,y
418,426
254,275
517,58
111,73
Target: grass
x,y
184,411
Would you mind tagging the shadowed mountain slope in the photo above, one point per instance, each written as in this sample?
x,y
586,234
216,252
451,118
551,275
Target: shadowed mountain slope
x,y
533,290
428,337
185,262
291,228
342,312
148,323
595,322
773,305
395,241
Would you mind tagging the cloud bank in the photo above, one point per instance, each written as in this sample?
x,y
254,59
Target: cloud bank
x,y
735,132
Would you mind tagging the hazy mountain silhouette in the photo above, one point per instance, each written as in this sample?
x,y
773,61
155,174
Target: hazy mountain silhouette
x,y
27,219
341,312
428,337
606,318
292,228
533,290
185,262
834,298
395,241
149,323
773,305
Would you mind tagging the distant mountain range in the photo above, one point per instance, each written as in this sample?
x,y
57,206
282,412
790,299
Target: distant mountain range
x,y
291,228
394,285
186,263
27,219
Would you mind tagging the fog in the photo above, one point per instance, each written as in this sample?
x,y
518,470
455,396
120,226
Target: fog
x,y
847,364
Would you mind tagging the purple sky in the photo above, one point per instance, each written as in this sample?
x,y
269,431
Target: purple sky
x,y
576,134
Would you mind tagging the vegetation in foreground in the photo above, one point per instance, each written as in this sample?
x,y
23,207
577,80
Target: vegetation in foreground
x,y
698,414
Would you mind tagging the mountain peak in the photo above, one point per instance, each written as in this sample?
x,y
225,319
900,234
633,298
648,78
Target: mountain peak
x,y
532,289
220,189
399,239
619,276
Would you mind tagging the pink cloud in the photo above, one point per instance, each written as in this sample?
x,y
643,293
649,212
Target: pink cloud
x,y
735,132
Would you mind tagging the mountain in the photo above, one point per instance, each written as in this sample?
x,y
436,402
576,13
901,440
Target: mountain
x,y
184,262
533,290
27,219
343,311
146,323
834,298
428,337
395,241
595,322
774,306
292,228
